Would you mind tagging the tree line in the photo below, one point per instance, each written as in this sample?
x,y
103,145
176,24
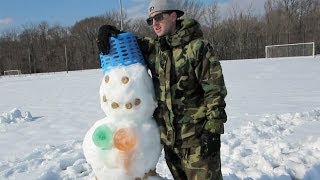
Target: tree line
x,y
240,34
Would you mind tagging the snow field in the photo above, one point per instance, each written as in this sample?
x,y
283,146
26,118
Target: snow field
x,y
272,130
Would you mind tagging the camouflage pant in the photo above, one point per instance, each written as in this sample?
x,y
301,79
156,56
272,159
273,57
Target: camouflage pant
x,y
188,163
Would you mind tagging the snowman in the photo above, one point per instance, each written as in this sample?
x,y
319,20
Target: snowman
x,y
126,143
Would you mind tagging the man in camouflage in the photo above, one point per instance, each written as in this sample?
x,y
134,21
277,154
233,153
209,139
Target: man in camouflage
x,y
190,90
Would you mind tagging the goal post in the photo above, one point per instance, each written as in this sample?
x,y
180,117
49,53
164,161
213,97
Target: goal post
x,y
290,50
12,72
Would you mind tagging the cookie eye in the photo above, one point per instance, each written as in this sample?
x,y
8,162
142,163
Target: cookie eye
x,y
128,105
106,79
114,105
137,101
125,80
104,98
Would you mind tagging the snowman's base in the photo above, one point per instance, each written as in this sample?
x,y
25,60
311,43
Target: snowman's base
x,y
157,177
151,175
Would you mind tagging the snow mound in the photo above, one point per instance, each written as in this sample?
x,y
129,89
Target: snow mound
x,y
256,150
65,161
260,147
15,116
50,162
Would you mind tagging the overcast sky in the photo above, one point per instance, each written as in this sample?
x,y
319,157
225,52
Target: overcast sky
x,y
15,13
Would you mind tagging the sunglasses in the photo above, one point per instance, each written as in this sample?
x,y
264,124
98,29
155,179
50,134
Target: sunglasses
x,y
158,17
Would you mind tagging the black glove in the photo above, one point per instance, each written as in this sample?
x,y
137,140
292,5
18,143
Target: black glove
x,y
106,31
210,143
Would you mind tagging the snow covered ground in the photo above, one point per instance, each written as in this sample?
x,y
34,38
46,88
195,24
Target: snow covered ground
x,y
272,131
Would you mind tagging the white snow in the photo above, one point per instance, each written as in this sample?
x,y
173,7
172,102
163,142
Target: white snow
x,y
272,132
15,116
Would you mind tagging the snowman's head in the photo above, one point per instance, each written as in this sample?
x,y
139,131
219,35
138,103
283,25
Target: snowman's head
x,y
127,91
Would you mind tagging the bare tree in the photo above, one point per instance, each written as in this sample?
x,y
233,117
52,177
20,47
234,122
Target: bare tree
x,y
10,50
242,34
140,28
192,8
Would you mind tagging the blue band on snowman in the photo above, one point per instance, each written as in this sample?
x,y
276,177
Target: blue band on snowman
x,y
124,50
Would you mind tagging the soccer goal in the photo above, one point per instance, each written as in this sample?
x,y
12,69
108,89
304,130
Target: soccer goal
x,y
290,50
11,72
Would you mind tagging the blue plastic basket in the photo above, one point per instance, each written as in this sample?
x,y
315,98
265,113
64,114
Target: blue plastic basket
x,y
124,50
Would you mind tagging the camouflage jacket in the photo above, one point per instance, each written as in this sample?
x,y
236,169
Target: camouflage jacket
x,y
189,85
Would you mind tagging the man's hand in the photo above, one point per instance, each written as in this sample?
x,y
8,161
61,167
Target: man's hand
x,y
210,143
105,32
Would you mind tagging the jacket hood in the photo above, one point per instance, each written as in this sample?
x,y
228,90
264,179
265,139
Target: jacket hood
x,y
187,30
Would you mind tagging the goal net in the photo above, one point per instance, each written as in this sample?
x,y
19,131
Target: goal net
x,y
11,72
290,50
